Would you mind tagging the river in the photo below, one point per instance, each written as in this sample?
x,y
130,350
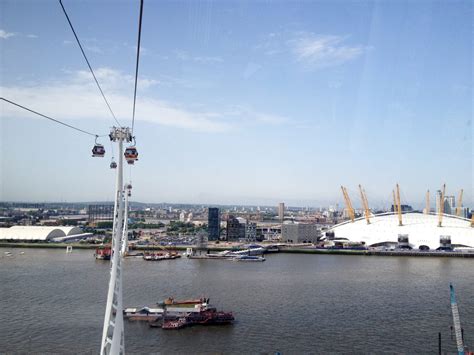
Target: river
x,y
54,302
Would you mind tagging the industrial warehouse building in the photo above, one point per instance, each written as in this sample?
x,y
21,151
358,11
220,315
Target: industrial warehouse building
x,y
421,230
42,234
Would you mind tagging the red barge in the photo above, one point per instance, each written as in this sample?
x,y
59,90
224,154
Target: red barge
x,y
206,317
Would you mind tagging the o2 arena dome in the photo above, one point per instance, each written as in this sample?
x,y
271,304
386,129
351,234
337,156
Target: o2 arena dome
x,y
418,231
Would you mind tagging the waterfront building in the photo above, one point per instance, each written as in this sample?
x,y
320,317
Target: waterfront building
x,y
300,233
281,211
213,223
234,229
250,231
270,232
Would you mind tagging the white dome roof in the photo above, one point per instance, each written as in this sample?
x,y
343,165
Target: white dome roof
x,y
37,232
422,229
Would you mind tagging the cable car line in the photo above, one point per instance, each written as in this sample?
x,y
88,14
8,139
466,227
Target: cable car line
x,y
87,61
138,58
50,118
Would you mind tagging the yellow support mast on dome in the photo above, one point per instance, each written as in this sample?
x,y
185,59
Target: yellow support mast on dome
x,y
350,210
441,207
399,207
365,203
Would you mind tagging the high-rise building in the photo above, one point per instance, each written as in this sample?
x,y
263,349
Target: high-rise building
x,y
213,223
234,229
438,200
250,231
281,211
450,205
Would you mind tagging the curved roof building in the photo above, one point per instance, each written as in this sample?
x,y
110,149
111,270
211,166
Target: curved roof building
x,y
421,230
38,233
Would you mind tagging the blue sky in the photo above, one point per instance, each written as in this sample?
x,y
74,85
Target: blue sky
x,y
241,102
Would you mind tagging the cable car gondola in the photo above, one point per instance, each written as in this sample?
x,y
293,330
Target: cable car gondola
x,y
98,151
131,155
113,165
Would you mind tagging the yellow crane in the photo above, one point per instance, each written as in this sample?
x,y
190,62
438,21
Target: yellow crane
x,y
459,205
399,207
427,209
365,203
441,206
350,210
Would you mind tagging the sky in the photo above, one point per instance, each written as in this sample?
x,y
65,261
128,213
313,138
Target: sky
x,y
240,102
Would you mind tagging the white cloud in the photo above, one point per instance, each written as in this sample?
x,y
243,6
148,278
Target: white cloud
x,y
249,114
208,59
94,49
6,35
32,36
77,97
112,79
185,56
320,51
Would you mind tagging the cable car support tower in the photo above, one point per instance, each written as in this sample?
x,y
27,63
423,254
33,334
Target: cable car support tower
x,y
112,334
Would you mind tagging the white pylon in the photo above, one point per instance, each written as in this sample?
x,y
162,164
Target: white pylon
x,y
113,341
127,192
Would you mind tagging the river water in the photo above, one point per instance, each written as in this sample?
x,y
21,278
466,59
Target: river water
x,y
54,302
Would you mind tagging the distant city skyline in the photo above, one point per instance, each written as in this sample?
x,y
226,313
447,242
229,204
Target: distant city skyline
x,y
241,102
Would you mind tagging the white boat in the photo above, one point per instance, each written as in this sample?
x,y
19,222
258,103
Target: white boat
x,y
144,313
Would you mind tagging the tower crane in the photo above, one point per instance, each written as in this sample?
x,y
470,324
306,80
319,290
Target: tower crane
x,y
459,204
399,207
441,207
365,203
427,210
350,210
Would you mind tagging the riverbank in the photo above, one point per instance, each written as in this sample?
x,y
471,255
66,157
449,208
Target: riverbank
x,y
285,249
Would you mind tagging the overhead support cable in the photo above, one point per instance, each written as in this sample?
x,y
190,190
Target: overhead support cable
x,y
88,64
49,118
138,59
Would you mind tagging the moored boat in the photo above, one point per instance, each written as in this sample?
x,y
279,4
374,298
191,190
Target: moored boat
x,y
161,256
103,252
171,302
144,313
207,317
